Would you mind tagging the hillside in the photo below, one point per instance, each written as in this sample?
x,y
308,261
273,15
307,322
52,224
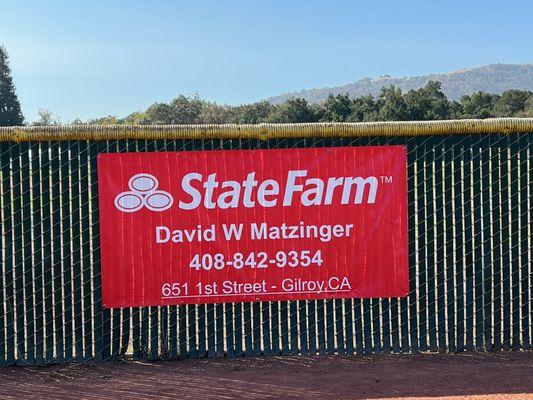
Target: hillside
x,y
495,78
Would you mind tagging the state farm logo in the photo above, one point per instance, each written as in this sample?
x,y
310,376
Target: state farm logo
x,y
143,193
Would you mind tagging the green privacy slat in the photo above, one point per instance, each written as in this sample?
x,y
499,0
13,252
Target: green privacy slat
x,y
395,325
219,328
293,323
302,327
367,323
440,150
6,308
247,318
178,345
67,181
404,326
46,244
210,308
422,218
18,260
506,245
358,326
385,326
237,323
376,325
449,247
229,330
340,328
37,252
412,151
478,250
164,344
275,316
515,241
256,332
497,240
56,193
430,247
526,185
311,327
211,331
191,323
349,325
487,248
469,243
27,262
75,232
98,315
202,325
459,235
85,245
321,321
266,328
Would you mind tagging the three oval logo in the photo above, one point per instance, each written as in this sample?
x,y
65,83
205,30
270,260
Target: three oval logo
x,y
143,193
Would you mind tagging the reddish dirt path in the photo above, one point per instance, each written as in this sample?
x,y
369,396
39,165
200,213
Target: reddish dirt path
x,y
471,376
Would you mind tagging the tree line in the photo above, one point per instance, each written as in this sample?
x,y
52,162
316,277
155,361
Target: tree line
x,y
426,103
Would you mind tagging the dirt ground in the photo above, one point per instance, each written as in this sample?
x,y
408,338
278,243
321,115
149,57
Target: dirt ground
x,y
470,375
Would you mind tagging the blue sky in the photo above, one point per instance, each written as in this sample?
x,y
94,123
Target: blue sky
x,y
94,58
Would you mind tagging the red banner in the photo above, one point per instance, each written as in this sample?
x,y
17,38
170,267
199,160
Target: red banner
x,y
247,225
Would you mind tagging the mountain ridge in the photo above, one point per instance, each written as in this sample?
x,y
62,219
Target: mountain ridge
x,y
492,78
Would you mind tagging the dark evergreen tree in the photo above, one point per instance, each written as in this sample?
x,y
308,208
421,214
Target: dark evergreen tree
x,y
10,113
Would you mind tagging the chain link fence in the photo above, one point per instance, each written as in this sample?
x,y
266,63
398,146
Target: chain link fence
x,y
470,245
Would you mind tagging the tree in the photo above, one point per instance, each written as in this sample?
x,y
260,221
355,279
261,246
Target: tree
x,y
46,118
136,118
10,112
294,110
364,108
252,113
336,108
478,105
160,114
213,113
428,103
186,110
511,103
528,109
392,105
109,120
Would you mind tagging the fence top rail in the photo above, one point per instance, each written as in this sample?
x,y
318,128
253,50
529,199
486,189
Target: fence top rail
x,y
265,131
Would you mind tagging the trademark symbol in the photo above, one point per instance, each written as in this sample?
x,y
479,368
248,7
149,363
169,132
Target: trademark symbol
x,y
386,179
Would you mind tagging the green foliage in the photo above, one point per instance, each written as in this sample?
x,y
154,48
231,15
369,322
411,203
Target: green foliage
x,y
365,109
10,112
392,105
252,113
478,105
511,102
335,108
426,103
46,118
160,114
294,110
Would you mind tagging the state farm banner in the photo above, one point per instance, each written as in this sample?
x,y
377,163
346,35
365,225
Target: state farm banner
x,y
247,225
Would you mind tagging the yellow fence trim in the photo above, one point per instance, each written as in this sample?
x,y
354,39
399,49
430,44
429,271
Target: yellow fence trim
x,y
266,131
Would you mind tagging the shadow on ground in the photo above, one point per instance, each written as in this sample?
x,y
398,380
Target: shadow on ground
x,y
480,375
